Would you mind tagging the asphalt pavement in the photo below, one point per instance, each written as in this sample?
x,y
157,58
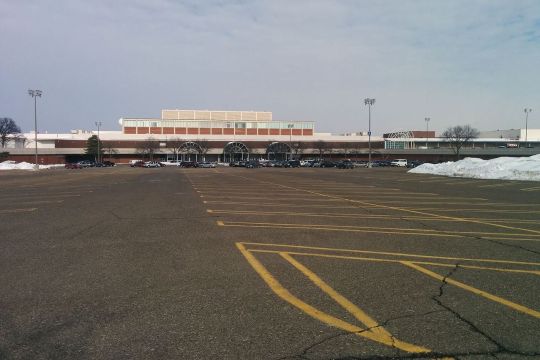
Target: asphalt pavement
x,y
233,263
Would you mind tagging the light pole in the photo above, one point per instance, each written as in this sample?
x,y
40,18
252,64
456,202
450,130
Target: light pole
x,y
98,124
290,127
369,102
35,94
527,111
427,130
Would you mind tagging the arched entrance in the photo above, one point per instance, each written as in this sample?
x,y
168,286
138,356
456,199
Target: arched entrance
x,y
279,151
235,151
190,151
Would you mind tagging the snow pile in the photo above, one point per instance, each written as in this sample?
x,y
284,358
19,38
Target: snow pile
x,y
505,168
13,165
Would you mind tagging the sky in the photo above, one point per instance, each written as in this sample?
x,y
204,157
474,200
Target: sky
x,y
456,62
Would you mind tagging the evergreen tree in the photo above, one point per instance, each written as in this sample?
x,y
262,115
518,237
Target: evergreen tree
x,y
92,147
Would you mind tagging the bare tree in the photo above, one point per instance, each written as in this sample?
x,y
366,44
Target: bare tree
x,y
148,148
458,136
109,150
7,127
175,145
321,147
297,148
348,148
204,147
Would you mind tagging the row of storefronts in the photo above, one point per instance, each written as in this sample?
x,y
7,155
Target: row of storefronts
x,y
227,136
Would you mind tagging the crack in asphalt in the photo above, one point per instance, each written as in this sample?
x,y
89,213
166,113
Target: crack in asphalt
x,y
500,349
510,245
304,353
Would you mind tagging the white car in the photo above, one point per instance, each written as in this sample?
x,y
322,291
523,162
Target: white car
x,y
152,164
206,165
399,162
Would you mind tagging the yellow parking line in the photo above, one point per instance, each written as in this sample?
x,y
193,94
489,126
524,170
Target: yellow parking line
x,y
474,290
277,204
420,232
382,334
284,294
400,230
536,188
496,185
32,197
368,259
266,198
8,211
512,211
40,202
413,196
387,253
357,215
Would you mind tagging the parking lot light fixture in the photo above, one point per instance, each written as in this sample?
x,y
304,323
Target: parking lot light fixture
x,y
527,111
98,124
35,94
290,127
369,102
427,130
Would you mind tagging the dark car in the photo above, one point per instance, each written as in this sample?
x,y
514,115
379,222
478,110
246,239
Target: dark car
x,y
188,164
293,163
414,163
380,163
108,163
327,164
253,164
345,164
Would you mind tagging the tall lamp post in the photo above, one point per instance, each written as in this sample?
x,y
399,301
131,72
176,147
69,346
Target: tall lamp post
x,y
290,127
35,94
369,102
527,111
427,130
98,124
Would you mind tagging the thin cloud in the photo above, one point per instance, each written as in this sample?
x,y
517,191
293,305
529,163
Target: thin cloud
x,y
456,62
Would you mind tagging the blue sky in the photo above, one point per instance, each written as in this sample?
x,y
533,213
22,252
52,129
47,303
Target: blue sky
x,y
457,62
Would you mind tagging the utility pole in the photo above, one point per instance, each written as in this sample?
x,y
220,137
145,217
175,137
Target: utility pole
x,y
527,111
369,102
35,94
98,124
427,130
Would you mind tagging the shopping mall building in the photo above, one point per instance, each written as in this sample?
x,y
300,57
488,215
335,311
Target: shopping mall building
x,y
225,136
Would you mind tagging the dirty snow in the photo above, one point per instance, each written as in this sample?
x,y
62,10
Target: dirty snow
x,y
13,165
505,168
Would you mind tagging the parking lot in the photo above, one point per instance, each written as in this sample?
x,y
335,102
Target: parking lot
x,y
270,263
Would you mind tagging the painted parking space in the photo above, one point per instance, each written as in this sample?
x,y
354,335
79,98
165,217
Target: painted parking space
x,y
333,213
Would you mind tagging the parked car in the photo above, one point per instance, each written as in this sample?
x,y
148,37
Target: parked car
x,y
399,162
86,163
73,166
360,163
327,164
152,164
206,164
293,163
345,164
138,163
108,163
253,164
414,163
188,164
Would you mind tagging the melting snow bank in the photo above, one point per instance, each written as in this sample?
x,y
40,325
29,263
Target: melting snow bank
x,y
505,168
12,165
